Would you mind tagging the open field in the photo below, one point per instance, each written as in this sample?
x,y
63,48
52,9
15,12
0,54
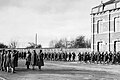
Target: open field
x,y
64,71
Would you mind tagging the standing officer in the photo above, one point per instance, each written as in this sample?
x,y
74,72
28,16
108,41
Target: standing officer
x,y
13,61
34,59
28,59
8,60
40,60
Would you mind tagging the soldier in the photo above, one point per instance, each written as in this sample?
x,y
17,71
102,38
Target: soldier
x,y
52,55
110,57
91,57
98,57
28,59
66,55
101,57
88,57
0,59
16,58
40,60
113,57
70,55
49,55
118,57
85,57
33,59
4,61
13,61
73,56
106,57
63,56
60,56
79,56
82,56
8,60
45,56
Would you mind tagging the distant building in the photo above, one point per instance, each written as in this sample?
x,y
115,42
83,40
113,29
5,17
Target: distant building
x,y
106,26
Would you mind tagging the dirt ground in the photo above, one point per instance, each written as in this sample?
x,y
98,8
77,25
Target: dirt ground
x,y
64,71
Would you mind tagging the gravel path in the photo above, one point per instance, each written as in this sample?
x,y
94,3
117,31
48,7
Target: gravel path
x,y
64,71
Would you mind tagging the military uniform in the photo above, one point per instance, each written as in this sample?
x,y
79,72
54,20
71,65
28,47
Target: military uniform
x,y
28,59
40,60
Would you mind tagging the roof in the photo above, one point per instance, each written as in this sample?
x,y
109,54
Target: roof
x,y
107,3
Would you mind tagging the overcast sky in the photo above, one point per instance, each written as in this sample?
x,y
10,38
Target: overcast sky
x,y
51,19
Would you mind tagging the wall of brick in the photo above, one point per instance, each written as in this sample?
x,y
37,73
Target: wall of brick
x,y
104,35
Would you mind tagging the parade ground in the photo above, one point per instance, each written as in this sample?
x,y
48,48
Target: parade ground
x,y
56,70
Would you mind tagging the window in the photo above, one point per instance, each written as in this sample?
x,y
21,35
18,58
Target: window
x,y
99,26
116,24
100,46
117,46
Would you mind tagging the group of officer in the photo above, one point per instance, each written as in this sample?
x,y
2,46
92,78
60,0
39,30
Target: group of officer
x,y
99,57
8,60
35,59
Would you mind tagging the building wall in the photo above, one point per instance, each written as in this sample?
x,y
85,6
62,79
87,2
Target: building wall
x,y
106,30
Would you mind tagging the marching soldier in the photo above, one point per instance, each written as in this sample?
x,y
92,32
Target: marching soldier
x,y
73,56
66,56
110,57
98,57
101,57
91,57
79,56
70,55
115,58
118,57
82,56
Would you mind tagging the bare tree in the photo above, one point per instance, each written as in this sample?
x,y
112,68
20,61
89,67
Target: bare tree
x,y
13,44
52,43
33,45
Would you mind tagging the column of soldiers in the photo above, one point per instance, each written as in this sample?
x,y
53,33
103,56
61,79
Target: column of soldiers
x,y
99,57
60,56
86,57
9,58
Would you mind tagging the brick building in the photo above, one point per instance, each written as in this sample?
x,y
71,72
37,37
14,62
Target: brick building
x,y
106,26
